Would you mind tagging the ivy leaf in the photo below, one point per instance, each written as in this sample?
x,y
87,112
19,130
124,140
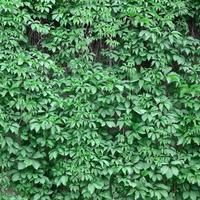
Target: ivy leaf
x,y
36,197
173,77
91,188
139,110
110,124
36,164
120,88
175,171
21,165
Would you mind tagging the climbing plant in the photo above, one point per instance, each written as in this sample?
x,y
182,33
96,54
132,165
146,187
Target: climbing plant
x,y
99,99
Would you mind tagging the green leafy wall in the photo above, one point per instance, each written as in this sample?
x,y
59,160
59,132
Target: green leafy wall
x,y
99,99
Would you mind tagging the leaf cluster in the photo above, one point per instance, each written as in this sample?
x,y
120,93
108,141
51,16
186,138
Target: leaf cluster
x,y
99,99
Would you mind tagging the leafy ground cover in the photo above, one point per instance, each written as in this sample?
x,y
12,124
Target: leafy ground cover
x,y
99,99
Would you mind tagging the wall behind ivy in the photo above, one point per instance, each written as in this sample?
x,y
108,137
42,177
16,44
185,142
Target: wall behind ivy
x,y
99,99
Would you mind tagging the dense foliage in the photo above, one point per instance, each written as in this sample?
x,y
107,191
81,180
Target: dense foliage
x,y
99,99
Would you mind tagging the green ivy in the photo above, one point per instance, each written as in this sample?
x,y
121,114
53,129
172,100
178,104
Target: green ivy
x,y
99,99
